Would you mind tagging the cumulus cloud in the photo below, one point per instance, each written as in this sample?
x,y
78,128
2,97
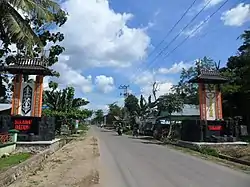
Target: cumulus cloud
x,y
145,77
104,84
176,68
71,77
97,36
163,88
145,82
236,16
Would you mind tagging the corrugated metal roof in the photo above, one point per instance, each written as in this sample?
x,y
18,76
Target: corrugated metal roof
x,y
188,110
5,106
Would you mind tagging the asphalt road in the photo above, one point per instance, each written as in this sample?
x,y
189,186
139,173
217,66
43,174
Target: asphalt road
x,y
128,162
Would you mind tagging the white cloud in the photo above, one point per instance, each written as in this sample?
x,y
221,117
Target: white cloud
x,y
104,84
97,36
212,3
71,77
196,29
145,77
236,16
208,3
163,88
176,68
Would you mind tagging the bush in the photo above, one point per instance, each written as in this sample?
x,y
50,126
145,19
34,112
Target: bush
x,y
209,151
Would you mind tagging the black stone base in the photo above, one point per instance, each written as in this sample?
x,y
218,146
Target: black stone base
x,y
30,128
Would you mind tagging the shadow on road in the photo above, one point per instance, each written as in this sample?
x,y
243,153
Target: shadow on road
x,y
153,143
142,138
105,130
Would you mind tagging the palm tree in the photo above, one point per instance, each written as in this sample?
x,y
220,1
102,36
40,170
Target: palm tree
x,y
13,23
63,100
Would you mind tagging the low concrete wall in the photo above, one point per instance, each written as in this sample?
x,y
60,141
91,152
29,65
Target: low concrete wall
x,y
8,148
39,146
31,165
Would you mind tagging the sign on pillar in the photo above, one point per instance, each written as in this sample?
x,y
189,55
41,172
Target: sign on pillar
x,y
210,102
38,96
27,93
16,97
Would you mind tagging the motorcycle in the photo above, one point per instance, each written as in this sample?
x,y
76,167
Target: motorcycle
x,y
119,131
136,133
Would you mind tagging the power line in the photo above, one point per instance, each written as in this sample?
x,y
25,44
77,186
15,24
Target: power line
x,y
183,41
191,21
170,31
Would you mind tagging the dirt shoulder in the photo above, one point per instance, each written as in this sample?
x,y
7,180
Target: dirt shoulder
x,y
75,165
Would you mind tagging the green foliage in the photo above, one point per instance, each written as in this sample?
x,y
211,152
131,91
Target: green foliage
x,y
30,33
132,104
99,116
62,100
115,110
13,160
189,91
171,103
16,28
236,93
74,114
209,151
62,103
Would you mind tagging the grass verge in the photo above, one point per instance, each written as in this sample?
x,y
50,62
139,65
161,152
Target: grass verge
x,y
13,160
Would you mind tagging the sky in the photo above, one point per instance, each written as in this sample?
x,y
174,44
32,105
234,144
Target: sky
x,y
112,42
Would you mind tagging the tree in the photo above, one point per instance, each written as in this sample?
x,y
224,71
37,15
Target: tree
x,y
99,116
28,33
189,91
62,100
236,93
171,103
115,110
16,27
132,104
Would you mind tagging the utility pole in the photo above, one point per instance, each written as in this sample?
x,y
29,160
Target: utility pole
x,y
125,94
125,90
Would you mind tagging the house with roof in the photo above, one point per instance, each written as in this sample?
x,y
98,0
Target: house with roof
x,y
5,109
189,112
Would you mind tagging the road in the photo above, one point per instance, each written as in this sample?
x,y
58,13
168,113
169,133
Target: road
x,y
128,162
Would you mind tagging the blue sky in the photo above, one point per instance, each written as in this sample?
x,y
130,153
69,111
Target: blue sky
x,y
107,42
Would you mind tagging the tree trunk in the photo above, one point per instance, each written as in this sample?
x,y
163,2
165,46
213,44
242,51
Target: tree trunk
x,y
170,129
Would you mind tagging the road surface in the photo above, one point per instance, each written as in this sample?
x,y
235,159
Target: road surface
x,y
128,162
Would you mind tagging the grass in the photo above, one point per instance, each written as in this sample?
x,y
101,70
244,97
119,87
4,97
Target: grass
x,y
129,132
84,128
13,160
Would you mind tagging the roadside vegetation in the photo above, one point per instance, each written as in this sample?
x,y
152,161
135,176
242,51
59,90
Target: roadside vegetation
x,y
12,160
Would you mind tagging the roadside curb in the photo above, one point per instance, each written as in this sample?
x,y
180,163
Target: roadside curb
x,y
30,165
222,156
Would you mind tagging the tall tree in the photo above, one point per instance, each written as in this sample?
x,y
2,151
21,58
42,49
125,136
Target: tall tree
x,y
236,93
132,104
99,116
62,100
115,110
189,91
